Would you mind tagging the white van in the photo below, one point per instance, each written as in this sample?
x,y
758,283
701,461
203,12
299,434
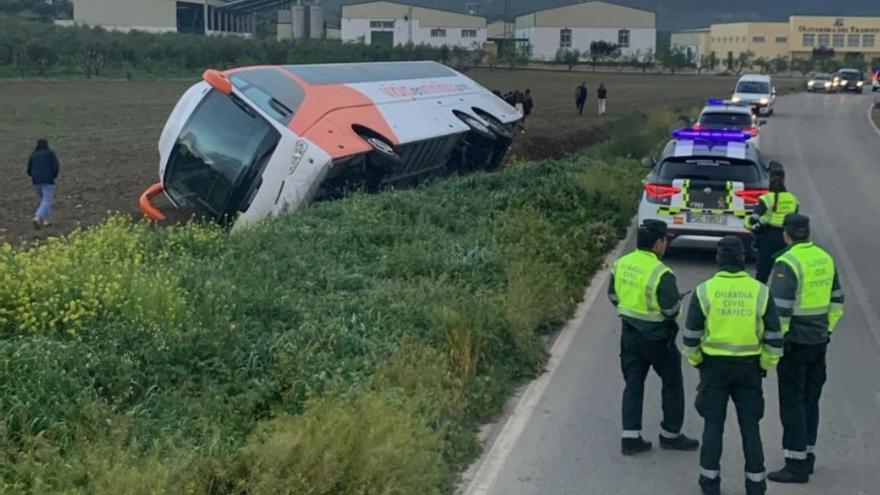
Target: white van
x,y
758,91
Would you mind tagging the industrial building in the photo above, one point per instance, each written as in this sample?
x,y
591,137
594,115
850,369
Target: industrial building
x,y
796,38
232,17
501,30
301,21
694,42
766,40
576,26
392,23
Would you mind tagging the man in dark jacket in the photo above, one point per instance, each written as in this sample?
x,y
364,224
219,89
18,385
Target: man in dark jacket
x,y
580,97
806,288
43,170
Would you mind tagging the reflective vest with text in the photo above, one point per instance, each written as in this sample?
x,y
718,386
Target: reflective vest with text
x,y
734,305
636,279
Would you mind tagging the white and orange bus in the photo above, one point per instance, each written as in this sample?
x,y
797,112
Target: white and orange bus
x,y
250,143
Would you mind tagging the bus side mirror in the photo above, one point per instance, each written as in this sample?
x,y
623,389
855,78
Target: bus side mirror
x,y
649,161
218,81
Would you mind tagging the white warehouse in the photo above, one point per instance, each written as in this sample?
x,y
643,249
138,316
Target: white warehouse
x,y
392,23
576,26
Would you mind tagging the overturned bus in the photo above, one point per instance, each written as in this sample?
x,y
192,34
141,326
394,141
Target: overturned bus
x,y
250,143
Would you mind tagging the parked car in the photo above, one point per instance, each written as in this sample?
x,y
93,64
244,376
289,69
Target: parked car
x,y
703,185
726,115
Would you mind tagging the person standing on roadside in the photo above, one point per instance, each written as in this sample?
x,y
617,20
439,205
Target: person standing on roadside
x,y
602,95
645,293
766,222
580,97
733,335
43,169
806,287
528,104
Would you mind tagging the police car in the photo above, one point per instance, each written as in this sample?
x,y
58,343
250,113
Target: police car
x,y
703,186
726,115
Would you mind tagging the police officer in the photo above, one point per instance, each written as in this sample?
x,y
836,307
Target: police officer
x,y
766,221
807,292
646,295
733,337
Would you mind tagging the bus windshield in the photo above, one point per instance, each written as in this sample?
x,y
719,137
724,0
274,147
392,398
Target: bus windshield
x,y
220,151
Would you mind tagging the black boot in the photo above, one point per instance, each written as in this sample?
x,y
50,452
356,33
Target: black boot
x,y
633,446
681,442
811,463
795,471
710,486
756,487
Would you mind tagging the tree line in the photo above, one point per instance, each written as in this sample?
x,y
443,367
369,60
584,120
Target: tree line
x,y
675,58
39,49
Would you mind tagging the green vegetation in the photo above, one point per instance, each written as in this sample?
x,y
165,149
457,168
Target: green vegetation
x,y
351,348
35,49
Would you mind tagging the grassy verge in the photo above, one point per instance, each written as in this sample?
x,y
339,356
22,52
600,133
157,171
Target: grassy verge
x,y
351,348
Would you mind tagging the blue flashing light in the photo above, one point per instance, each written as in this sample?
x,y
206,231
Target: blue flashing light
x,y
719,136
715,102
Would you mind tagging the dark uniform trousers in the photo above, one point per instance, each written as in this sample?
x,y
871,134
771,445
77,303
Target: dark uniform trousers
x,y
802,375
769,241
638,355
741,380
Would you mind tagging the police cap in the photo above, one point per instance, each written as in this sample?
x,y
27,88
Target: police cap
x,y
776,168
657,227
797,225
731,248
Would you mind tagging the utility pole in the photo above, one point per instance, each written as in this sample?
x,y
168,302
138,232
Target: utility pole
x,y
507,21
410,24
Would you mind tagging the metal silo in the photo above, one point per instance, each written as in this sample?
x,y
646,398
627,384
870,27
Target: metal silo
x,y
299,21
316,20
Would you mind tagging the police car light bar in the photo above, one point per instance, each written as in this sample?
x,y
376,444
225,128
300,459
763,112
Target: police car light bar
x,y
712,135
718,102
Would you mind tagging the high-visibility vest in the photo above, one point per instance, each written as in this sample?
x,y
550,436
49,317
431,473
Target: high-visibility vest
x,y
636,279
734,305
785,204
815,273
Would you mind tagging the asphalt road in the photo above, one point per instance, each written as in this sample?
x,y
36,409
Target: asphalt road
x,y
568,440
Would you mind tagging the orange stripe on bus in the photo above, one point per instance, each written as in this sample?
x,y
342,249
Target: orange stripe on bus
x,y
328,113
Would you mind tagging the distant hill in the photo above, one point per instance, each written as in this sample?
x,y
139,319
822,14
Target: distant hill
x,y
674,14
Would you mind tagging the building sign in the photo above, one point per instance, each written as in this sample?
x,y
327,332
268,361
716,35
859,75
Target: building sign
x,y
838,26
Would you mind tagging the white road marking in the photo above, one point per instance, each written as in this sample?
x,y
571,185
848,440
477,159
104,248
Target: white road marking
x,y
493,460
871,118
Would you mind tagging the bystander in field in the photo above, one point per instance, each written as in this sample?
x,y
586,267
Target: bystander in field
x,y
43,169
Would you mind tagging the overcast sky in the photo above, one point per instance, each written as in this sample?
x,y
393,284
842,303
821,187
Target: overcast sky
x,y
676,14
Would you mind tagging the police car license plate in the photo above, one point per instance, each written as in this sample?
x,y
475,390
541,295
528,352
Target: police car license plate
x,y
707,219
